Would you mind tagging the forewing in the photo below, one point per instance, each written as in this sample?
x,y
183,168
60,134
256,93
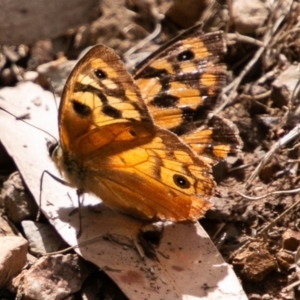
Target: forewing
x,y
99,92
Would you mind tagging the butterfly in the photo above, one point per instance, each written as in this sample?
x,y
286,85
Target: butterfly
x,y
145,143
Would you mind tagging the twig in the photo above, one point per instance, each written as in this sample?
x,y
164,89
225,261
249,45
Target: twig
x,y
235,83
294,191
75,246
257,97
244,166
278,218
233,86
250,239
291,286
143,42
234,37
294,133
268,76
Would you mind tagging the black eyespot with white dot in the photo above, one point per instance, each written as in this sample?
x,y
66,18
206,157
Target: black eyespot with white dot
x,y
181,181
100,74
186,55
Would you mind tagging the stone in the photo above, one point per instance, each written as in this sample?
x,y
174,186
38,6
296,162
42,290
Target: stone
x,y
52,278
42,238
248,16
255,262
12,258
17,201
284,86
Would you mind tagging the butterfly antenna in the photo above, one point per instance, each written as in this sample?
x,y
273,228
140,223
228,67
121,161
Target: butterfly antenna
x,y
22,119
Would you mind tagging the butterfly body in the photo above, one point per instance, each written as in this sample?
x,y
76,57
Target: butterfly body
x,y
111,146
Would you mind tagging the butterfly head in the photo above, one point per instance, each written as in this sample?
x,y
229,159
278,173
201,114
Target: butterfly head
x,y
55,153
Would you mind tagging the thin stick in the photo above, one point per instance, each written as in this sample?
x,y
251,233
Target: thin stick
x,y
233,86
234,37
294,191
278,218
294,133
146,40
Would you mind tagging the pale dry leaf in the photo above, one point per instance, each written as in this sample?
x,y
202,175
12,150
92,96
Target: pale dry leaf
x,y
188,266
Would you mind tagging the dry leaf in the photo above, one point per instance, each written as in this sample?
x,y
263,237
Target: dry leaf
x,y
187,264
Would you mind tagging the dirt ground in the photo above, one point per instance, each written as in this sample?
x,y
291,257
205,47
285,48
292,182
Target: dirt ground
x,y
259,237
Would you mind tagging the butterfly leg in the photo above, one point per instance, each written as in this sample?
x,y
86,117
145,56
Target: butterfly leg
x,y
80,194
41,189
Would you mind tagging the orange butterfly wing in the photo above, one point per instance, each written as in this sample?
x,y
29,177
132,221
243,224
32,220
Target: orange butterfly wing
x,y
110,146
181,84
